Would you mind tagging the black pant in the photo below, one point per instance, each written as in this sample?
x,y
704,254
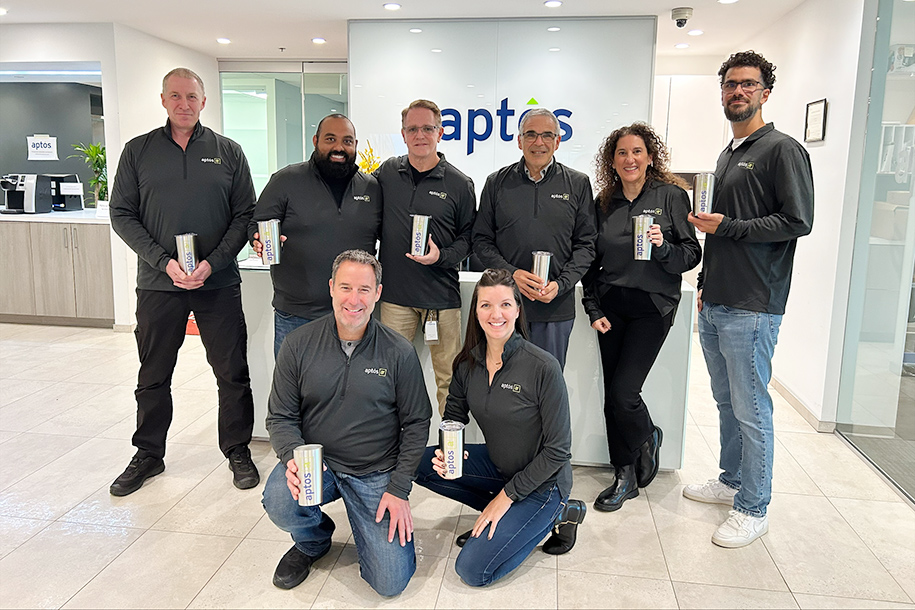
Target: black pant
x,y
627,352
161,325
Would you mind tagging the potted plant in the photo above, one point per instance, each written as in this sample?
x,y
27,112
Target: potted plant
x,y
95,158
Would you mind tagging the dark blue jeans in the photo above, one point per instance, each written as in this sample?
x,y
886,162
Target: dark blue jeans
x,y
553,337
386,566
527,522
283,324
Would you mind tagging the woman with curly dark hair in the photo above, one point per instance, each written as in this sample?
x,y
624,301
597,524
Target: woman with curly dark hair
x,y
631,303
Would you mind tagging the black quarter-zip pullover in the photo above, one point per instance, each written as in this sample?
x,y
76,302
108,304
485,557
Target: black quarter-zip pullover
x,y
524,416
316,230
370,411
446,195
518,216
161,191
764,189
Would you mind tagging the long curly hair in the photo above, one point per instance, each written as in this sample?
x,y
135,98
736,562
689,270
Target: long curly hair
x,y
608,181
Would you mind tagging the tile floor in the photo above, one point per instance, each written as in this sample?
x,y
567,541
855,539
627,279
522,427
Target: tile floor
x,y
839,538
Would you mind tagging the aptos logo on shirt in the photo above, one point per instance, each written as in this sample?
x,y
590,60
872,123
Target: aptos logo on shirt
x,y
746,164
214,160
654,212
439,195
366,198
379,372
514,387
563,196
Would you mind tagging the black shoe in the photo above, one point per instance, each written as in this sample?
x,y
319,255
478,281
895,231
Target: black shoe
x,y
647,463
463,538
293,568
626,487
244,471
136,474
566,531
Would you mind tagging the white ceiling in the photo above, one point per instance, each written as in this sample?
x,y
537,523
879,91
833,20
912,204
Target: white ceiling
x,y
258,29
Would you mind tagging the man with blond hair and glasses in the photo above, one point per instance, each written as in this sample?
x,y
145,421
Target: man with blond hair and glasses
x,y
423,291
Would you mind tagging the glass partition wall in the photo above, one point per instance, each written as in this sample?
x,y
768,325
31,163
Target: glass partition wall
x,y
877,391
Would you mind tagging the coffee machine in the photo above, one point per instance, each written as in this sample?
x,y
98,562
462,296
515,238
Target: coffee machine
x,y
41,193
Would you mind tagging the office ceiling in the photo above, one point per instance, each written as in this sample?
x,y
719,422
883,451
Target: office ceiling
x,y
283,29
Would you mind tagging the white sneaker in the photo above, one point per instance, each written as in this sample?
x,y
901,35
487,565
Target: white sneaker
x,y
740,530
712,492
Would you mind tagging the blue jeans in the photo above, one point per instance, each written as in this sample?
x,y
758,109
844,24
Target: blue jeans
x,y
553,337
283,324
527,522
386,566
738,346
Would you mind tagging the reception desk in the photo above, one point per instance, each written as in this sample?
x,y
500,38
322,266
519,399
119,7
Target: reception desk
x,y
665,391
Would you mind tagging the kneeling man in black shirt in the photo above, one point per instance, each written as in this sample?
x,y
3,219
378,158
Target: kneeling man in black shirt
x,y
356,387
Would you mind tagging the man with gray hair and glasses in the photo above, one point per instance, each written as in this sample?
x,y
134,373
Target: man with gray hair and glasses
x,y
539,204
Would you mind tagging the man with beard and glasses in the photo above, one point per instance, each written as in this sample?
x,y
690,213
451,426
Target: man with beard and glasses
x,y
325,206
763,203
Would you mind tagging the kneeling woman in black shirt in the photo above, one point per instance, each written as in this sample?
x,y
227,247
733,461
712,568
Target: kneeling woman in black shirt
x,y
521,478
631,303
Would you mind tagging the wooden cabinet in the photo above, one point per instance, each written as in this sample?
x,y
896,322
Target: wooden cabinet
x,y
57,269
17,293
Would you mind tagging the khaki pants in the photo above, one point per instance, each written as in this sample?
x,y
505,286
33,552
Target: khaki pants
x,y
406,320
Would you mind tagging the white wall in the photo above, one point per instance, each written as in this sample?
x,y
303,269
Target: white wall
x,y
816,49
133,64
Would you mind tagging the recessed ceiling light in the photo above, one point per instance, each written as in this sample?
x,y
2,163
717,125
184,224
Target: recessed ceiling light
x,y
726,1
3,12
436,50
318,40
223,41
682,45
415,30
471,86
333,110
552,3
552,29
553,49
695,32
357,86
391,6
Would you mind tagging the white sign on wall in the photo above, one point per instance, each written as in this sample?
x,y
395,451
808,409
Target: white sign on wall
x,y
42,148
596,74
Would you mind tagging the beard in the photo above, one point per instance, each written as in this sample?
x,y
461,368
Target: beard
x,y
739,117
335,170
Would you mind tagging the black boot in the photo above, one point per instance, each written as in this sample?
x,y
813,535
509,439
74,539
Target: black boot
x,y
647,463
626,487
565,531
463,538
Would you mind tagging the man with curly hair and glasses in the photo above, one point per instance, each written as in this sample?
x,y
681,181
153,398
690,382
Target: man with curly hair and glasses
x,y
763,203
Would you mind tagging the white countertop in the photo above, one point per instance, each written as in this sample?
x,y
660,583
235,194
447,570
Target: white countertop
x,y
84,216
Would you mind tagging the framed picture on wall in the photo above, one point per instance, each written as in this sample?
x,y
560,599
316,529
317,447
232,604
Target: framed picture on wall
x,y
815,122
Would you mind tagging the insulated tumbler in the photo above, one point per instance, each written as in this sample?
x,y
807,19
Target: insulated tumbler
x,y
640,226
451,442
703,192
309,459
541,267
269,235
419,238
187,251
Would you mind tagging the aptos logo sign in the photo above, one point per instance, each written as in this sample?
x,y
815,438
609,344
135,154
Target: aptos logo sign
x,y
480,123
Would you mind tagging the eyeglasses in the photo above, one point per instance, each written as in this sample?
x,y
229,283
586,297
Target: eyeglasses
x,y
427,130
546,136
730,86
